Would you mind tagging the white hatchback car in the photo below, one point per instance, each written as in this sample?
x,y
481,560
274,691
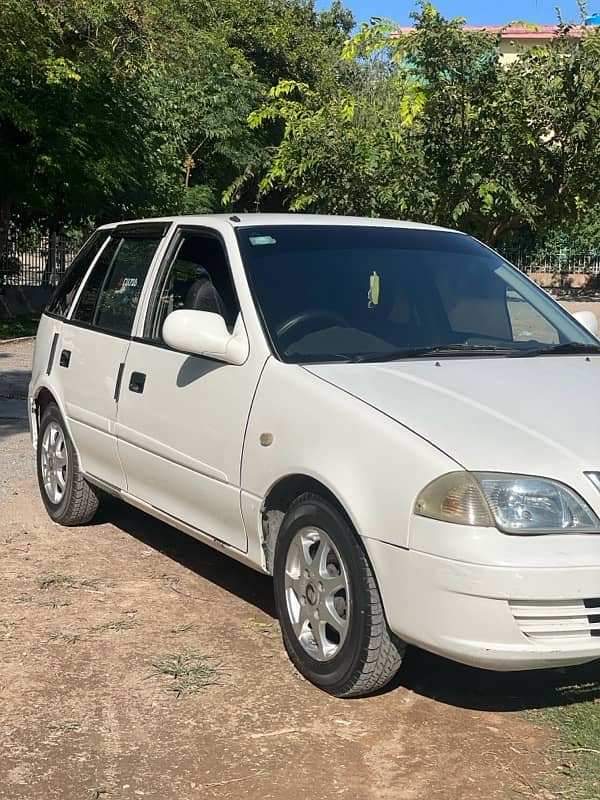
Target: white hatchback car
x,y
388,418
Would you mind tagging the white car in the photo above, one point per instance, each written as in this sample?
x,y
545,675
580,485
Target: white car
x,y
387,417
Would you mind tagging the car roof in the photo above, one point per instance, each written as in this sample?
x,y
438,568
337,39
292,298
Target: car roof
x,y
250,220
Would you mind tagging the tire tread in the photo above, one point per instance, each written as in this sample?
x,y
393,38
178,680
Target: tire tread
x,y
383,653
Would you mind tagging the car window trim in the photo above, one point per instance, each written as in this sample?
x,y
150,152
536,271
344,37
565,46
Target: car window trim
x,y
84,283
143,230
86,277
159,273
95,329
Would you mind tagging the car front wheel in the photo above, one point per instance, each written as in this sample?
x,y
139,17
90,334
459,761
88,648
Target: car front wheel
x,y
333,624
68,497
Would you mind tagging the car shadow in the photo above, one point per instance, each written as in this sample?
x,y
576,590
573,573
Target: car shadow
x,y
9,426
478,689
208,563
423,673
14,382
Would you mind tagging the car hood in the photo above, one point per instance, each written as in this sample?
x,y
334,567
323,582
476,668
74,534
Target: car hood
x,y
536,415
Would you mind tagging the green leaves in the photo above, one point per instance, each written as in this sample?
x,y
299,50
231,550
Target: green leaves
x,y
113,109
431,125
60,70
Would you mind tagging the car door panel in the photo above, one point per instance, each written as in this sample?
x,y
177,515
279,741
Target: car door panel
x,y
89,399
94,344
181,440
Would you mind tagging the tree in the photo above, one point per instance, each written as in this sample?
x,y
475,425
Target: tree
x,y
116,109
71,116
434,128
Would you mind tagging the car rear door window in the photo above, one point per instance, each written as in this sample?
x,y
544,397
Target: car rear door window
x,y
110,296
117,304
88,299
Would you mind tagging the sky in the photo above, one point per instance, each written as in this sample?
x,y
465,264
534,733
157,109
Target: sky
x,y
477,12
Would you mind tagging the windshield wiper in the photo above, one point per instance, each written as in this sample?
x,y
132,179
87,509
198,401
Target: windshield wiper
x,y
439,350
565,348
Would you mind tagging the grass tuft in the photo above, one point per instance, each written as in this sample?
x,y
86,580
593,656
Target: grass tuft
x,y
98,792
190,672
57,580
64,727
68,638
259,625
183,628
116,625
92,583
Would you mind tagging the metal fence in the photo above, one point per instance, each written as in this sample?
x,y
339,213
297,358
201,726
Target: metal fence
x,y
41,260
35,259
563,260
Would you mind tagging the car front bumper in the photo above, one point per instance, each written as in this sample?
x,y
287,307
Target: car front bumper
x,y
495,617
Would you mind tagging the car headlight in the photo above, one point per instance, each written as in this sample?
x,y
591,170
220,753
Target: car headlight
x,y
513,503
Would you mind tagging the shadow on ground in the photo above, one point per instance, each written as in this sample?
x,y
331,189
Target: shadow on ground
x,y
14,382
251,586
423,673
12,426
479,689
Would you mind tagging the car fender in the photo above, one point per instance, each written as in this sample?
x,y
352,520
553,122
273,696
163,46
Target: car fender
x,y
302,425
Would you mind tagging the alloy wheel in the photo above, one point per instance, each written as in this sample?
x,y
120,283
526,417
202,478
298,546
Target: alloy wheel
x,y
54,462
317,593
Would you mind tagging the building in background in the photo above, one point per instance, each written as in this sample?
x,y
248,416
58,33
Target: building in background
x,y
516,39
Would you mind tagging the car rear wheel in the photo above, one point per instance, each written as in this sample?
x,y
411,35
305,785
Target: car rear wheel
x,y
68,497
332,618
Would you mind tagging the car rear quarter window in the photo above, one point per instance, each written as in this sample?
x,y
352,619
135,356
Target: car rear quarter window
x,y
61,300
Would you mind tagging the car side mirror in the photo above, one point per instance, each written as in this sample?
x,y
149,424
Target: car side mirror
x,y
203,333
589,321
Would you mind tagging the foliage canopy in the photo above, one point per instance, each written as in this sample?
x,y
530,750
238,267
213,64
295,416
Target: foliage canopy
x,y
110,109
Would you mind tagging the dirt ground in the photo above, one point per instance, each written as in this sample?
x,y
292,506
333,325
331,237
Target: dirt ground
x,y
86,613
92,618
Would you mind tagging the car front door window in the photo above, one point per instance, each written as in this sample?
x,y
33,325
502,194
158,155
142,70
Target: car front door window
x,y
196,278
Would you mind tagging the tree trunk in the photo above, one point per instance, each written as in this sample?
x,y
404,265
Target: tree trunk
x,y
497,230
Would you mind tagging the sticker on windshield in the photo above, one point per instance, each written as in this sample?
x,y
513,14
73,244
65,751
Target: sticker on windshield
x,y
257,241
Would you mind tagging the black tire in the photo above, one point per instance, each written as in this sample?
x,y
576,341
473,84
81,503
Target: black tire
x,y
369,656
79,501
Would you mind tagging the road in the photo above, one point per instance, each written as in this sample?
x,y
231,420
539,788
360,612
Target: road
x,y
94,621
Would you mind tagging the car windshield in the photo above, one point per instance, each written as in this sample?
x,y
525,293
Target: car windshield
x,y
361,293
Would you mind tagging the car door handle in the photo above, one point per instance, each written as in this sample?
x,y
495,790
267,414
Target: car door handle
x,y
52,353
117,392
136,382
65,358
